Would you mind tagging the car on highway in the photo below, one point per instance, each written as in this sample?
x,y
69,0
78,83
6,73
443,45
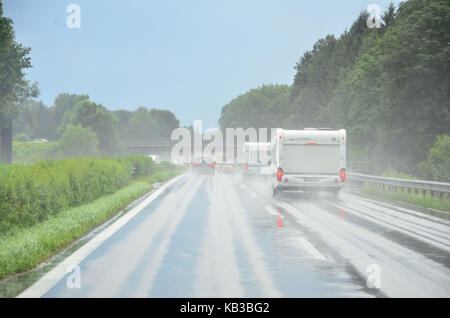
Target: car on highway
x,y
257,160
309,160
227,167
203,165
40,140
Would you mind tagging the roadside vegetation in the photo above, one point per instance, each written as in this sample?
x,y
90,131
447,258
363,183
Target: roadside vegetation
x,y
30,194
419,199
46,206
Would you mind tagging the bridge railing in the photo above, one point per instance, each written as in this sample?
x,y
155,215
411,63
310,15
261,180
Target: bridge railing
x,y
439,189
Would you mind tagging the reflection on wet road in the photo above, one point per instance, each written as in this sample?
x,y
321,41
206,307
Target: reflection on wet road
x,y
213,236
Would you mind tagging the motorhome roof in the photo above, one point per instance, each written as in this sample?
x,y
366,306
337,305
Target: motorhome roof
x,y
310,136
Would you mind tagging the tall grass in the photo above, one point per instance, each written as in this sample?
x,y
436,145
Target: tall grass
x,y
29,194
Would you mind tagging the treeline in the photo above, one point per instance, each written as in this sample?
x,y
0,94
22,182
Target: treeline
x,y
388,86
84,128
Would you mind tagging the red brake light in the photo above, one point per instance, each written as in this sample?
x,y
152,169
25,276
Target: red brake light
x,y
246,166
343,175
211,164
280,174
311,143
195,164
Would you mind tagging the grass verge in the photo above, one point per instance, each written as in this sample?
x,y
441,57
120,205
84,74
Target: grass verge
x,y
26,248
424,201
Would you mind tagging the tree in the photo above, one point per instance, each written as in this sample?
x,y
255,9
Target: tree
x,y
152,125
77,141
100,120
64,103
36,121
266,106
437,165
13,86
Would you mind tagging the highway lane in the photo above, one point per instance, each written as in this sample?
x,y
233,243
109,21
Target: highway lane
x,y
214,236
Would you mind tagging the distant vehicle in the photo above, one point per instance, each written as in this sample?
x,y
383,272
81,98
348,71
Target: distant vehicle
x,y
257,160
40,140
227,167
309,160
203,165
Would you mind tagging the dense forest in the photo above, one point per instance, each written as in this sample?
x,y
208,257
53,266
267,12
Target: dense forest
x,y
388,86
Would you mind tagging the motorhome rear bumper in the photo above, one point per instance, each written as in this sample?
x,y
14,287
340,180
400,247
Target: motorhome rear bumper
x,y
313,182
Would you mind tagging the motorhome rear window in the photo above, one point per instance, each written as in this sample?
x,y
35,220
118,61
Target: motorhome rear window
x,y
317,159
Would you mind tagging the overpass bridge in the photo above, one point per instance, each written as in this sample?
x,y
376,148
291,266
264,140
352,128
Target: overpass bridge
x,y
164,150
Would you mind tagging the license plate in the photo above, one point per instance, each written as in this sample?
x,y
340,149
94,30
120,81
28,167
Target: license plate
x,y
311,179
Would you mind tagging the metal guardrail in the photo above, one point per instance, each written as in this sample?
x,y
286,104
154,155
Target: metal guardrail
x,y
417,185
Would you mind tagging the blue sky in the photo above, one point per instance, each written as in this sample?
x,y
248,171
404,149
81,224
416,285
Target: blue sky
x,y
191,57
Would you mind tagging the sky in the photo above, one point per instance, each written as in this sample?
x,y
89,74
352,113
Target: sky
x,y
190,57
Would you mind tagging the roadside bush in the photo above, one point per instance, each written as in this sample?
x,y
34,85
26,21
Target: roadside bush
x,y
21,137
392,173
140,166
77,141
29,152
30,194
437,165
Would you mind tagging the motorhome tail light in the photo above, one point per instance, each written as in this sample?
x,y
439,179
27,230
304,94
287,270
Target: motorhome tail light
x,y
280,174
343,175
246,166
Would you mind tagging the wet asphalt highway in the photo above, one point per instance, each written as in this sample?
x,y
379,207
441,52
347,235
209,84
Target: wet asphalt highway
x,y
214,236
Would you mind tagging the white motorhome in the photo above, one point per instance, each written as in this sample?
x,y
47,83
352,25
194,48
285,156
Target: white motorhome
x,y
257,159
308,160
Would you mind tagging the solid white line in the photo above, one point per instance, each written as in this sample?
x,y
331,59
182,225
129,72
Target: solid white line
x,y
46,282
273,212
311,249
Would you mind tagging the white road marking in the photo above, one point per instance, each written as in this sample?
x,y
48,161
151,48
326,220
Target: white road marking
x,y
311,249
273,212
46,282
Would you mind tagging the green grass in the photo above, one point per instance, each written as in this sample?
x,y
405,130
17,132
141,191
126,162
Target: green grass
x,y
27,248
392,173
425,201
